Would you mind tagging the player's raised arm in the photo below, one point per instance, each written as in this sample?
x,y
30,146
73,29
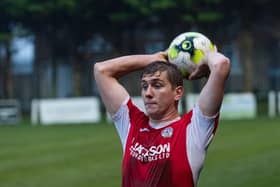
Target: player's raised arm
x,y
211,96
106,74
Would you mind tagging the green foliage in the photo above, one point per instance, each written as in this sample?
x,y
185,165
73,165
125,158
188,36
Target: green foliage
x,y
188,11
209,16
4,37
120,16
13,8
163,4
188,18
198,12
92,15
148,7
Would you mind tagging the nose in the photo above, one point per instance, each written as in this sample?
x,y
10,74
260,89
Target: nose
x,y
149,92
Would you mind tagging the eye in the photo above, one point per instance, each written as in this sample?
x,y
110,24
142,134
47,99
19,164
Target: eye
x,y
144,86
157,85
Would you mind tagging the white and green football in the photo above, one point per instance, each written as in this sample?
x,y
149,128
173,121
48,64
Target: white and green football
x,y
187,50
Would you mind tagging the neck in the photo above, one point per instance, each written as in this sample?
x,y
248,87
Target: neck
x,y
162,124
166,117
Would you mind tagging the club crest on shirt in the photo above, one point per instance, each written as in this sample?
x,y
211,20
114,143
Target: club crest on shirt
x,y
167,132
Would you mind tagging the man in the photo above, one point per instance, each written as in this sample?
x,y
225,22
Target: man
x,y
162,149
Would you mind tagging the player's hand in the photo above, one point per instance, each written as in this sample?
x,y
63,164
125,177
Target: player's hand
x,y
162,56
202,70
211,62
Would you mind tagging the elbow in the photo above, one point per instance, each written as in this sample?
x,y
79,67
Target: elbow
x,y
103,69
223,68
98,69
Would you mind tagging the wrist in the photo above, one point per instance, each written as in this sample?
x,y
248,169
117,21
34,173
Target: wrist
x,y
218,62
160,56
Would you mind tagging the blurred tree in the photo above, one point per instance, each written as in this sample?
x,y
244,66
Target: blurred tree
x,y
5,57
252,22
63,26
5,65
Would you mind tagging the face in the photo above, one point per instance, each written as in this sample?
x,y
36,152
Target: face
x,y
159,97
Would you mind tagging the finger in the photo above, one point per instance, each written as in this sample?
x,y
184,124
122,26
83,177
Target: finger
x,y
190,77
193,75
162,56
215,48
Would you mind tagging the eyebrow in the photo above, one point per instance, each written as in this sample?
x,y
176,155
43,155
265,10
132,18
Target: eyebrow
x,y
152,80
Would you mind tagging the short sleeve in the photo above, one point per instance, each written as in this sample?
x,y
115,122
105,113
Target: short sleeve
x,y
200,132
121,121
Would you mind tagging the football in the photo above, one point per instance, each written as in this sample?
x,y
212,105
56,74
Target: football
x,y
187,50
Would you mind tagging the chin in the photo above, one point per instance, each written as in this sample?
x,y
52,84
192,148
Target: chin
x,y
152,114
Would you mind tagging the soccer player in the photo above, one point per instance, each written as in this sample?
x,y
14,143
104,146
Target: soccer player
x,y
162,148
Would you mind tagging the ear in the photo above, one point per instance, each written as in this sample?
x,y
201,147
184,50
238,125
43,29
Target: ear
x,y
179,91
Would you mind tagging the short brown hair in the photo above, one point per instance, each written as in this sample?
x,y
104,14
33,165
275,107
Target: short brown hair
x,y
173,74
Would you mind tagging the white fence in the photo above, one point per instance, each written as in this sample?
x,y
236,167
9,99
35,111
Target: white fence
x,y
87,109
65,111
234,106
9,111
272,103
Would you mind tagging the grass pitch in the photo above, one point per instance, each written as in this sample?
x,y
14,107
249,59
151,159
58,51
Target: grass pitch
x,y
244,153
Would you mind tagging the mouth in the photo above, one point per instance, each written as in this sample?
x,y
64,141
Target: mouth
x,y
150,104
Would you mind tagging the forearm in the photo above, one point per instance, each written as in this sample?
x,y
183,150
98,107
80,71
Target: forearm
x,y
120,66
211,96
107,72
